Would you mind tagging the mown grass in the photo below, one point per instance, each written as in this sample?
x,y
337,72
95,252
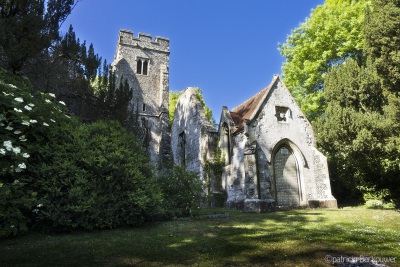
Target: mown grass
x,y
286,238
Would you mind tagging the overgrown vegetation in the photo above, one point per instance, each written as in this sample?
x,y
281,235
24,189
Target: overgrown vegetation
x,y
343,68
60,174
216,195
288,238
173,100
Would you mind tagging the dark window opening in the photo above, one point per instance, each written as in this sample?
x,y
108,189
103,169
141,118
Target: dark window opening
x,y
282,114
145,66
144,107
139,67
142,66
182,149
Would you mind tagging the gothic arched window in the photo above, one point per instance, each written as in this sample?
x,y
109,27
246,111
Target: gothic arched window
x,y
142,66
139,67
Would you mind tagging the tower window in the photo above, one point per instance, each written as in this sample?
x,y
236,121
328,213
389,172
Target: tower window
x,y
144,107
142,66
145,65
139,67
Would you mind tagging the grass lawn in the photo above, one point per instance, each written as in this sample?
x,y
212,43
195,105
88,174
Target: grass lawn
x,y
285,238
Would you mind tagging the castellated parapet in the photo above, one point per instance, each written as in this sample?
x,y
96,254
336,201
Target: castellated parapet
x,y
145,41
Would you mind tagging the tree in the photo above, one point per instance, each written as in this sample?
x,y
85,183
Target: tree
x,y
330,36
360,131
28,27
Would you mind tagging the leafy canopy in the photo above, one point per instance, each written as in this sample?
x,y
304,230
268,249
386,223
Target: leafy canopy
x,y
331,35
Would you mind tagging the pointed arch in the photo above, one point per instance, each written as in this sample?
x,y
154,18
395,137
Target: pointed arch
x,y
288,183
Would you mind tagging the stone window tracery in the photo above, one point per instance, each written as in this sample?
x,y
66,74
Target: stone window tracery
x,y
142,66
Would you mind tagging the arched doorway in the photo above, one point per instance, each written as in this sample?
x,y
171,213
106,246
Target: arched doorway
x,y
286,174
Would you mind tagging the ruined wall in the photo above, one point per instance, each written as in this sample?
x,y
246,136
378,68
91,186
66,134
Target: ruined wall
x,y
150,84
273,158
191,133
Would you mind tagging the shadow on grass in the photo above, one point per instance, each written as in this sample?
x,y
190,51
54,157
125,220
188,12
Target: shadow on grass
x,y
290,238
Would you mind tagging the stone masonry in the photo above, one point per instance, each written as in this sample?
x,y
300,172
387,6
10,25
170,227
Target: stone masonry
x,y
267,144
144,62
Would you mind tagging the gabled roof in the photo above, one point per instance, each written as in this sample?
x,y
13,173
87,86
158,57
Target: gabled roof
x,y
248,109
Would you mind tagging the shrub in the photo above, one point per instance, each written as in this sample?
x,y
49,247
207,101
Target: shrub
x,y
21,114
182,191
99,177
57,173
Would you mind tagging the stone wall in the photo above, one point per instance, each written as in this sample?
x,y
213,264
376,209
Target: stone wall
x,y
191,133
150,88
273,156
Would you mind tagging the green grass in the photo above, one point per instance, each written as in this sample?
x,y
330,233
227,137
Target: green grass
x,y
286,238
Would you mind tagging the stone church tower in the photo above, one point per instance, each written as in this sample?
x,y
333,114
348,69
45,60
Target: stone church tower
x,y
144,62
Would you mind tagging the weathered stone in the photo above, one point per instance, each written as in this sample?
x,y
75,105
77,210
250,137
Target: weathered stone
x,y
268,146
191,134
144,63
289,171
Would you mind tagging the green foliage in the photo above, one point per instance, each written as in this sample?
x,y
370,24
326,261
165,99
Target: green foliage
x,y
173,100
207,111
182,191
28,27
361,130
97,177
115,100
59,174
332,34
216,195
22,113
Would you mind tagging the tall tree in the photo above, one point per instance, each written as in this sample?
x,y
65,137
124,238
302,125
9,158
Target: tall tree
x,y
360,131
28,27
331,35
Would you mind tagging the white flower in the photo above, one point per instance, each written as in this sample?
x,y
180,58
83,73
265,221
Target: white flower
x,y
48,101
2,151
22,138
16,150
2,124
30,104
61,102
19,99
67,116
22,166
25,123
28,107
16,181
9,128
33,121
26,155
39,205
45,124
17,110
52,95
17,132
8,145
11,85
52,120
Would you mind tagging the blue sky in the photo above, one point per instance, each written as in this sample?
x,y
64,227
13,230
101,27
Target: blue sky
x,y
228,48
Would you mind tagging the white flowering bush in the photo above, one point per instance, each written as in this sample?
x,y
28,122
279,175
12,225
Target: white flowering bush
x,y
24,120
59,174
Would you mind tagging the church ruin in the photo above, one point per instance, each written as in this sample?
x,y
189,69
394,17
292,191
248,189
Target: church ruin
x,y
267,144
